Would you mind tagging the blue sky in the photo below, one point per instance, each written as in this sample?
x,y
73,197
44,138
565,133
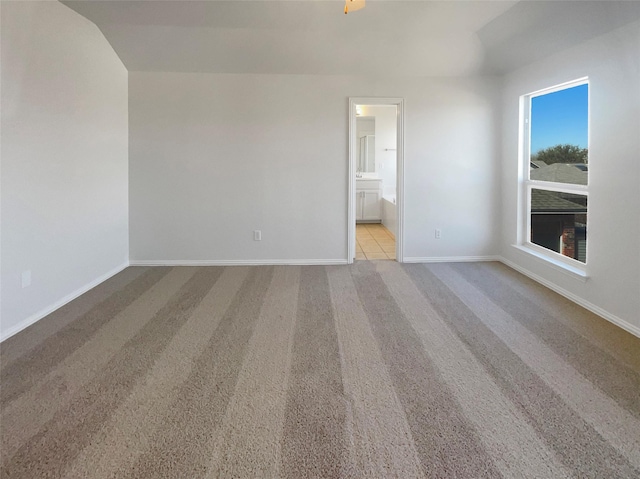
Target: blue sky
x,y
560,118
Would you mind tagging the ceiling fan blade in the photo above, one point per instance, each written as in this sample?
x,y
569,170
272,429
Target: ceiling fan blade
x,y
353,5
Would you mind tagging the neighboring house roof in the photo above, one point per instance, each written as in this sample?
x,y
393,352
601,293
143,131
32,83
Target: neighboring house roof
x,y
543,201
560,173
538,163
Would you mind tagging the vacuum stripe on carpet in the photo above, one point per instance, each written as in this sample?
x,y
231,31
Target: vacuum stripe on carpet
x,y
248,444
28,339
132,426
513,444
375,369
564,430
447,443
56,391
382,442
617,381
314,436
180,446
92,408
36,364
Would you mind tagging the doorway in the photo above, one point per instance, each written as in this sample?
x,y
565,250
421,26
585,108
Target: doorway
x,y
372,173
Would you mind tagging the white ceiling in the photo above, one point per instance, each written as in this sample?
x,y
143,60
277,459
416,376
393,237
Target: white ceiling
x,y
532,30
413,38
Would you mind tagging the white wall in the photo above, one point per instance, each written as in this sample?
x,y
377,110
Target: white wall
x,y
214,157
64,158
612,63
386,126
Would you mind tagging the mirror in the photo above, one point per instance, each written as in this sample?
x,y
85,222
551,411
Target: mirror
x,y
366,150
367,158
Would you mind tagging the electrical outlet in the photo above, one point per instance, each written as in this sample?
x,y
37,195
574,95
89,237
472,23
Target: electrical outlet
x,y
257,235
438,233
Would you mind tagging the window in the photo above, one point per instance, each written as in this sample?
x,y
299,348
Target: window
x,y
556,160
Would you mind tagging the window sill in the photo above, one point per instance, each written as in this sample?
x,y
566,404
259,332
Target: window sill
x,y
573,271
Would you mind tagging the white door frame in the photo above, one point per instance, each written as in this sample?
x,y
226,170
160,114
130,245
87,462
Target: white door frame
x,y
351,181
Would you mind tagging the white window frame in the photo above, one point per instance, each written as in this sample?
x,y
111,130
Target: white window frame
x,y
558,260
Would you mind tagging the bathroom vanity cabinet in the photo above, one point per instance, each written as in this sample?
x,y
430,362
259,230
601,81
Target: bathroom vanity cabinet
x,y
368,199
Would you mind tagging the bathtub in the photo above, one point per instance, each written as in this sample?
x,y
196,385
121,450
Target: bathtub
x,y
389,215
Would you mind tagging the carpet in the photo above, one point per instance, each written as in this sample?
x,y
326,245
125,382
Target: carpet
x,y
372,370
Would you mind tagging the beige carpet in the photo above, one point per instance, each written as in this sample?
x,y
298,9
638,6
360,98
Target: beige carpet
x,y
375,370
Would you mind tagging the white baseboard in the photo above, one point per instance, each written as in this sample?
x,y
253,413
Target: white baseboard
x,y
58,304
450,259
576,299
238,262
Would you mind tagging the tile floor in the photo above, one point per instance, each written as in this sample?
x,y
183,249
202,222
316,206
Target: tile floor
x,y
374,241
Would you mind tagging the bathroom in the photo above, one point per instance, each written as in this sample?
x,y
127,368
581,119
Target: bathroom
x,y
376,173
